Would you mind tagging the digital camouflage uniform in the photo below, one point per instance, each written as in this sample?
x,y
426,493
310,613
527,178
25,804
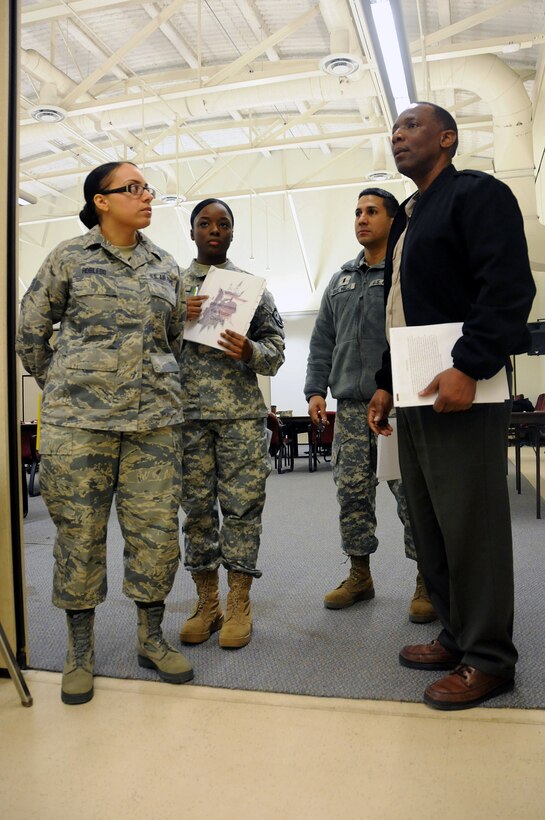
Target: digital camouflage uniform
x,y
354,460
111,411
345,352
225,454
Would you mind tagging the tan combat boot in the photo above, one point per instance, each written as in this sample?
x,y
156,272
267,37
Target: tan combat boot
x,y
207,617
77,676
357,587
421,610
237,629
154,652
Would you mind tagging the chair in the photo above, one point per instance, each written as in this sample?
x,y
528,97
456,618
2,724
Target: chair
x,y
523,433
320,442
24,486
30,457
281,447
540,406
529,434
521,404
540,402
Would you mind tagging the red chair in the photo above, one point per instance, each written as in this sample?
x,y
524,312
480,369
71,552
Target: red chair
x,y
30,456
320,442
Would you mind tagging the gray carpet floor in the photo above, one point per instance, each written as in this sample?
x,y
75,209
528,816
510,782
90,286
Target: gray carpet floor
x,y
298,646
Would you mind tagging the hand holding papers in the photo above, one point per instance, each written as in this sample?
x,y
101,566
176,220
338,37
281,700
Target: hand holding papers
x,y
420,353
233,297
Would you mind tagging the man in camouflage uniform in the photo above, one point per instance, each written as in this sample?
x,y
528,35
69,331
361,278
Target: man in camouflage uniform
x,y
111,422
345,352
225,456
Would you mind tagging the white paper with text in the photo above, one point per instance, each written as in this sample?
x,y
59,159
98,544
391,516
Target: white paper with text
x,y
419,353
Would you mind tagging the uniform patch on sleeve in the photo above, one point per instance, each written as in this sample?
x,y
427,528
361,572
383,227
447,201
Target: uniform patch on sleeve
x,y
277,318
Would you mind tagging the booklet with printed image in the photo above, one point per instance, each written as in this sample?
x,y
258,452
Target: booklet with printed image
x,y
233,298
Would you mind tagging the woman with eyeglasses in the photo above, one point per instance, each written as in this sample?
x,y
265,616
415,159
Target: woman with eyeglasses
x,y
111,416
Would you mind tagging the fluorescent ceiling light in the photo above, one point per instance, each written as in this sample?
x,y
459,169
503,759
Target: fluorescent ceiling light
x,y
386,30
391,53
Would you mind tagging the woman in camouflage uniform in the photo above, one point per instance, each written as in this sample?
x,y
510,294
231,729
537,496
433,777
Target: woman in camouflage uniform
x,y
225,456
111,415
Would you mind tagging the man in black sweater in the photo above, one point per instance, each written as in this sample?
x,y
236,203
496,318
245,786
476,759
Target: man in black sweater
x,y
457,253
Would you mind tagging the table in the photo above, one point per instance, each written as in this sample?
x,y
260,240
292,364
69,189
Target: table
x,y
293,426
533,422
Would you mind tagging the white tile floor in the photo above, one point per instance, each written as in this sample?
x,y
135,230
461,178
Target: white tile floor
x,y
150,750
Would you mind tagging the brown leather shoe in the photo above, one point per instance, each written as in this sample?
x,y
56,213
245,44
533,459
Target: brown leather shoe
x,y
464,688
428,656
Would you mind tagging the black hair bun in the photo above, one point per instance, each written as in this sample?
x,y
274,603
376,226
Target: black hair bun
x,y
88,216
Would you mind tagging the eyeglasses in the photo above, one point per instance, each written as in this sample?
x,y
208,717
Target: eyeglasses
x,y
132,188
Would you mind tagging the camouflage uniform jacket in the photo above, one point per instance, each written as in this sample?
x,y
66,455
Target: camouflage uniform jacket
x,y
114,364
217,387
348,338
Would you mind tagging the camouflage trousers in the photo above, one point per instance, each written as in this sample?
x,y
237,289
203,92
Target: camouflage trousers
x,y
225,462
80,472
354,457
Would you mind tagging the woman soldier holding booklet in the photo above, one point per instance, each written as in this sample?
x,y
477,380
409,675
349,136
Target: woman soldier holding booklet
x,y
224,452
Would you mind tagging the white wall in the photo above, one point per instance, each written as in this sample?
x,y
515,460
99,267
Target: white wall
x,y
287,385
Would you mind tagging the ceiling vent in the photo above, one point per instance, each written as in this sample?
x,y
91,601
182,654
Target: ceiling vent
x,y
379,176
172,199
339,65
48,113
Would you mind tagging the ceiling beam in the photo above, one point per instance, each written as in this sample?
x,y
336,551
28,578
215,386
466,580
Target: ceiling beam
x,y
361,135
302,245
257,24
87,41
53,11
261,47
182,76
305,118
148,98
325,165
485,46
172,36
471,21
118,55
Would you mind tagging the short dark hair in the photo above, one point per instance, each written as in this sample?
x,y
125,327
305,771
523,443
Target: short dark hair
x,y
446,120
95,182
205,202
390,202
